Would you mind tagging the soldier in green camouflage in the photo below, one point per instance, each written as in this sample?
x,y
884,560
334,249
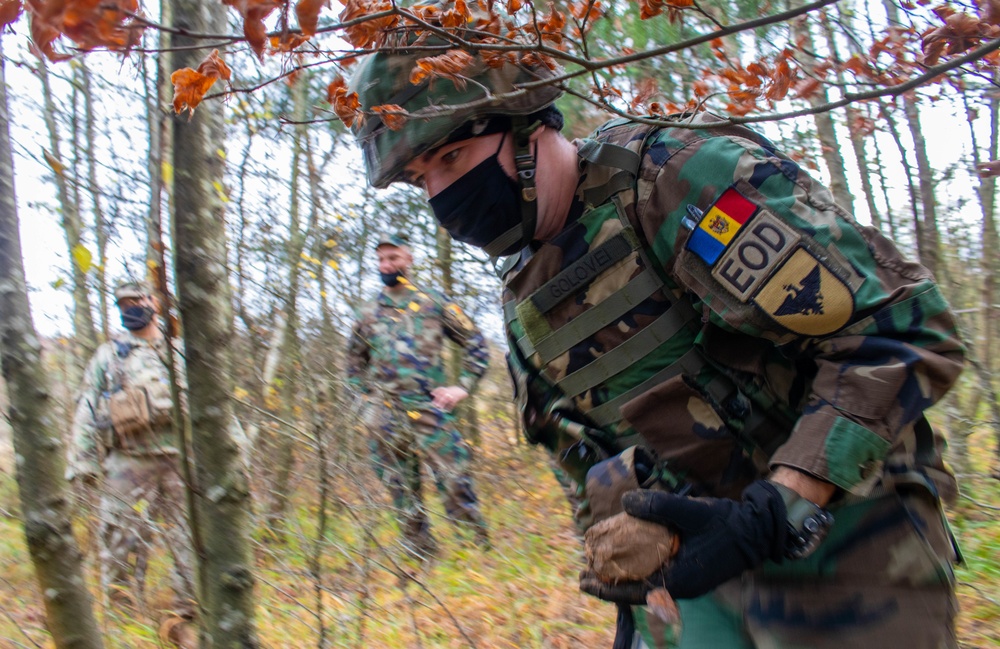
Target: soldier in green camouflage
x,y
395,357
688,312
123,439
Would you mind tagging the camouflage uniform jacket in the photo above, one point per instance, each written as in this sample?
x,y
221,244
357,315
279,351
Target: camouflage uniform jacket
x,y
397,342
714,303
124,361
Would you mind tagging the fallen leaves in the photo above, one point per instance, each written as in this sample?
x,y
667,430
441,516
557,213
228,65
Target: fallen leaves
x,y
190,85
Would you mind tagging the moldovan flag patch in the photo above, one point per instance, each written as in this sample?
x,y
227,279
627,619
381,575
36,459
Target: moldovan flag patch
x,y
803,296
720,224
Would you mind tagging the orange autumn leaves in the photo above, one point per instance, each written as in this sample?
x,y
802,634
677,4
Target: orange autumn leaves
x,y
190,85
255,12
114,24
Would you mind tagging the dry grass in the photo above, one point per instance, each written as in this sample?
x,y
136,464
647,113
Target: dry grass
x,y
520,594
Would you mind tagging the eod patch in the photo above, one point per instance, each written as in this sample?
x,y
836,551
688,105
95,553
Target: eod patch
x,y
760,259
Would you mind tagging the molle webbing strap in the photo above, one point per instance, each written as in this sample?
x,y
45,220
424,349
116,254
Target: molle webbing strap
x,y
629,352
509,312
609,155
609,412
509,316
524,164
508,264
506,240
599,316
597,195
584,270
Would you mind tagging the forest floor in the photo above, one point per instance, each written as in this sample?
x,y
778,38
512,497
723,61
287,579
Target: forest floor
x,y
366,592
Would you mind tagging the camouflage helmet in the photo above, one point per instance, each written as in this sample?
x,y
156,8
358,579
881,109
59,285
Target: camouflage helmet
x,y
384,78
132,289
398,239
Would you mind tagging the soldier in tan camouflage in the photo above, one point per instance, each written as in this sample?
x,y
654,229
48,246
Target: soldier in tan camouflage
x,y
123,442
395,357
689,314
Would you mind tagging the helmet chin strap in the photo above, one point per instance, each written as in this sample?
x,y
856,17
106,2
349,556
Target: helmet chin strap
x,y
524,164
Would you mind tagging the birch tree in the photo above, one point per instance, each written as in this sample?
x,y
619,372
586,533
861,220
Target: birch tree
x,y
37,438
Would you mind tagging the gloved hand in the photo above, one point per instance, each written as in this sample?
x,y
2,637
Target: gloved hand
x,y
719,539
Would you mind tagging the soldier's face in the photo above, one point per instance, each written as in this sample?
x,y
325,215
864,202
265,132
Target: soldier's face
x,y
438,169
145,301
392,259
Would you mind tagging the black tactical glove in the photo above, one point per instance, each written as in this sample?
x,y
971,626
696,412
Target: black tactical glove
x,y
719,539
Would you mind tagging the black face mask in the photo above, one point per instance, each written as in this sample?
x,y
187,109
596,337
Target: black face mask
x,y
391,279
481,205
135,318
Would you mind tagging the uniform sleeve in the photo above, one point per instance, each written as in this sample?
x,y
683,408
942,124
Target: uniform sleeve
x,y
358,356
85,451
460,329
768,254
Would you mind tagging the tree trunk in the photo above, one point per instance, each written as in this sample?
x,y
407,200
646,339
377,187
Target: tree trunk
x,y
289,357
83,320
928,244
826,132
855,134
159,148
37,440
221,483
928,239
100,223
987,199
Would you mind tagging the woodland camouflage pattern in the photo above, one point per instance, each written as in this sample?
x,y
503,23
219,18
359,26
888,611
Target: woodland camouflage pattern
x,y
143,495
395,356
833,345
383,78
396,346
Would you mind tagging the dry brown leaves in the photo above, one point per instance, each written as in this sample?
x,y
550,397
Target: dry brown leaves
x,y
369,32
650,8
345,104
254,13
90,24
10,11
190,85
390,116
307,13
449,65
287,42
960,32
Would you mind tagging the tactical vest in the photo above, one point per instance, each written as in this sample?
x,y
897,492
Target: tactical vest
x,y
617,284
140,407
